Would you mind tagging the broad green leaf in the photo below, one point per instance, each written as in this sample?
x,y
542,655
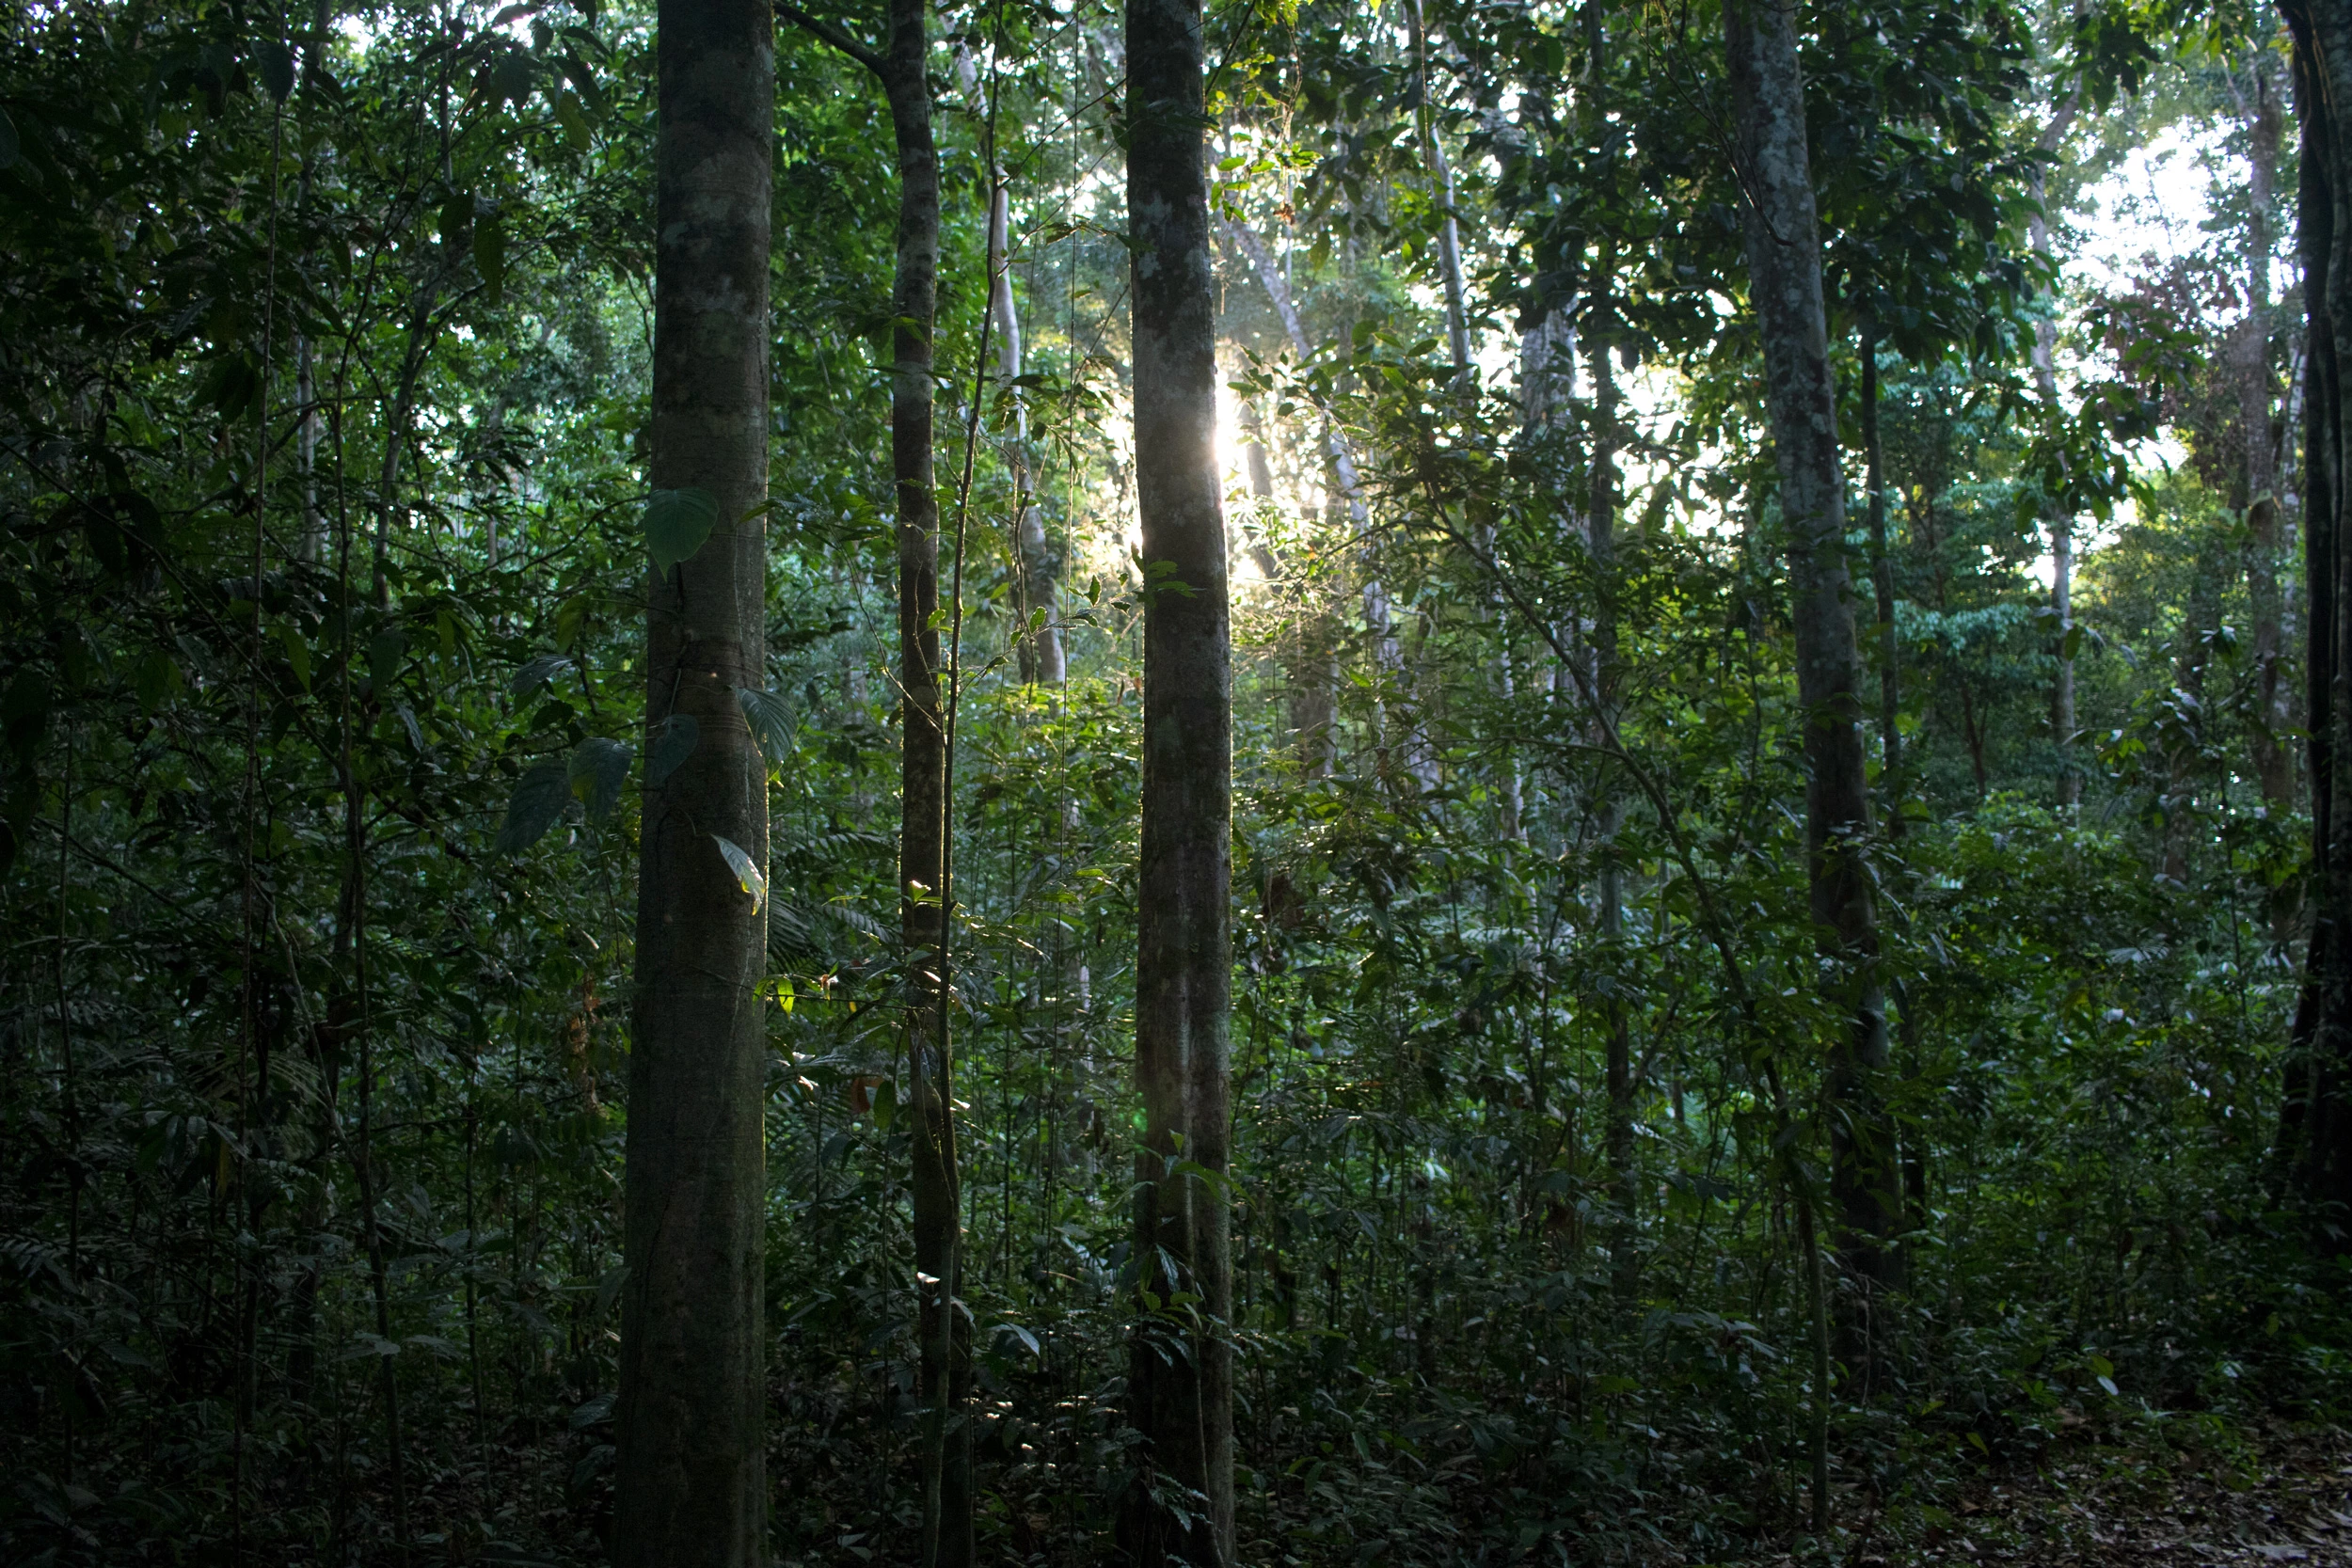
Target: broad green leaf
x,y
538,800
747,873
671,742
278,69
489,255
536,672
455,219
9,151
298,653
574,123
770,720
676,523
598,768
386,650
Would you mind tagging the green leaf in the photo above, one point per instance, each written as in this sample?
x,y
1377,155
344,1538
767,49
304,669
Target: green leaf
x,y
455,219
536,672
574,123
598,768
770,720
489,256
278,70
386,650
672,741
885,1105
747,873
676,523
9,148
538,800
298,653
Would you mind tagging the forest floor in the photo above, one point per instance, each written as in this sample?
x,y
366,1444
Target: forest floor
x,y
2278,1494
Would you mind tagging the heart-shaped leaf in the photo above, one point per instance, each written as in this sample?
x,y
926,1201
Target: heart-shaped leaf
x,y
676,523
598,768
672,741
537,801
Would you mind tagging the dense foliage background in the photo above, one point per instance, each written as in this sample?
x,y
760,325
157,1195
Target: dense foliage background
x,y
324,365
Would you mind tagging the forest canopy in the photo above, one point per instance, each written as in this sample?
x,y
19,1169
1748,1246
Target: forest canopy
x,y
1313,783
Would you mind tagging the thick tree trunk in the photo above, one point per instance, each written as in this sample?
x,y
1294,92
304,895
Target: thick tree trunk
x,y
1181,1369
1608,808
1785,277
2273,766
692,1479
2317,1119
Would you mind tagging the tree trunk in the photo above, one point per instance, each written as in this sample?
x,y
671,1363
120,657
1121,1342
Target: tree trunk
x,y
1785,277
1608,808
1442,192
1421,764
2070,785
1180,1380
2273,766
2316,1117
691,1477
1040,651
1882,579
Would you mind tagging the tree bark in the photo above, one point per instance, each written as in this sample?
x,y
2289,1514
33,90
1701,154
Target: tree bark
x,y
1785,277
1883,579
2070,785
1180,1380
2316,1116
1040,651
692,1481
2273,766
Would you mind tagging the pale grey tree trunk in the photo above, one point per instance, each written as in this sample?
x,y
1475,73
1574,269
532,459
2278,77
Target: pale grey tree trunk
x,y
1180,1379
692,1479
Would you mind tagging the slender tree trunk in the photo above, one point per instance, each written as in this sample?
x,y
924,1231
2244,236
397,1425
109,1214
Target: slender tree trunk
x,y
1441,191
1378,618
1785,278
2273,766
2070,785
923,800
2316,1117
1180,1380
1305,643
1608,808
1040,651
692,1479
1882,579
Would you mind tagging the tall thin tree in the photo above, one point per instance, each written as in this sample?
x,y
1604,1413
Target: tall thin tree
x,y
900,66
1784,250
1181,1376
691,1477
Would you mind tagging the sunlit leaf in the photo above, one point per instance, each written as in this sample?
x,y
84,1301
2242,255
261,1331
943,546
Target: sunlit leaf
x,y
747,873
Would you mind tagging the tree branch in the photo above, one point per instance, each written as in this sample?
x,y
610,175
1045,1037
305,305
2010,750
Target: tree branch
x,y
826,32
